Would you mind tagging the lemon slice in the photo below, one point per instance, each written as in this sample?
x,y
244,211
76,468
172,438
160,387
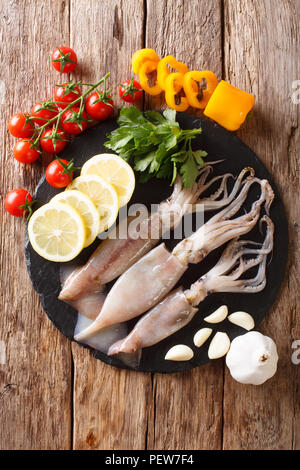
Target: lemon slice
x,y
115,171
86,208
57,232
103,195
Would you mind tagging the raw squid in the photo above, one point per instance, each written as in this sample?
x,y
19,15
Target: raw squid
x,y
178,308
102,340
88,309
115,256
149,280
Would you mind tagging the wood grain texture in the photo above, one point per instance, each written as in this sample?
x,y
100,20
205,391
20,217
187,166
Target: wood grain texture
x,y
262,47
110,406
54,395
191,31
35,382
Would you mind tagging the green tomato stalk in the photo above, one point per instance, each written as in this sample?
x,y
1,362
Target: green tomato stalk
x,y
92,86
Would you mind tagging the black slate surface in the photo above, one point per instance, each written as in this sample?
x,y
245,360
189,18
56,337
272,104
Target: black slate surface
x,y
220,144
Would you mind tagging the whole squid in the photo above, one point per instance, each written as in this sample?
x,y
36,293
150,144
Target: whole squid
x,y
150,279
178,308
115,256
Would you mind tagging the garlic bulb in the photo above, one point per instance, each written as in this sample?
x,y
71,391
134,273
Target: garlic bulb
x,y
252,358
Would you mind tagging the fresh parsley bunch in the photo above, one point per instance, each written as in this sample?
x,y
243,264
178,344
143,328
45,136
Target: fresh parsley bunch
x,y
156,145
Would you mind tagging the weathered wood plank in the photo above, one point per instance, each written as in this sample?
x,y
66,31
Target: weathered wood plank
x,y
35,381
262,50
119,409
110,406
186,410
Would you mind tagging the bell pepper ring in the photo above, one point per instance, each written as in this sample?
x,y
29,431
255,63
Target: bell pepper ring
x,y
141,56
163,69
199,86
229,106
146,69
174,85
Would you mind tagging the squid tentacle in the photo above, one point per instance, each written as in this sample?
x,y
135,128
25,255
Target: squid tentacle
x,y
208,202
220,228
218,278
186,200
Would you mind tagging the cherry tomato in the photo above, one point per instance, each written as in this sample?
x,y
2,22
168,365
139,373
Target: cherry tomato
x,y
66,93
101,109
44,110
64,59
20,125
72,122
57,173
130,91
16,198
51,142
25,151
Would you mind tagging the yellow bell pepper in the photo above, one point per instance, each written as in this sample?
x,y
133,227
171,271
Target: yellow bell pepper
x,y
229,106
145,69
163,69
173,86
141,56
199,86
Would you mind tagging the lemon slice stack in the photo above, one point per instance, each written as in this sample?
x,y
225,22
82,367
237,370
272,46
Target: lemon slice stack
x,y
59,230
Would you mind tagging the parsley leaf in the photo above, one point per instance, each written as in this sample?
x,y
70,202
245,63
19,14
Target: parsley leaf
x,y
155,145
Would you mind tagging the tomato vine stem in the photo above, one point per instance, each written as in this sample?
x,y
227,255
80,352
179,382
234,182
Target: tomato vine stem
x,y
80,98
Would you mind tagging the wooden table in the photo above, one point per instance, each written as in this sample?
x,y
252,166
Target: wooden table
x,y
54,394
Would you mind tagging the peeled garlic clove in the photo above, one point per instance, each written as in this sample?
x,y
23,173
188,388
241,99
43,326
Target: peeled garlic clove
x,y
219,315
180,352
242,319
201,336
219,345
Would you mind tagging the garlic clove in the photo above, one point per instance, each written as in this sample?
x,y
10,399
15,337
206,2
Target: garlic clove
x,y
201,336
219,345
219,315
180,352
242,319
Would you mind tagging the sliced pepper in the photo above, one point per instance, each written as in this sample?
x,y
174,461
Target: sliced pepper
x,y
145,69
229,106
199,86
163,69
174,85
141,56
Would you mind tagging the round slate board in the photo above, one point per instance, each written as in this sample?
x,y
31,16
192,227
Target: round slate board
x,y
219,144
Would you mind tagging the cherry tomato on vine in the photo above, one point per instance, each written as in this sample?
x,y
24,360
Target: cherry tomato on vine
x,y
21,125
64,59
53,142
59,173
25,151
130,91
99,105
43,111
65,94
72,122
18,202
